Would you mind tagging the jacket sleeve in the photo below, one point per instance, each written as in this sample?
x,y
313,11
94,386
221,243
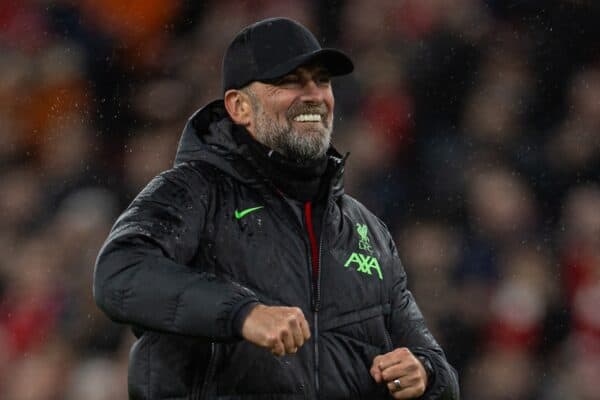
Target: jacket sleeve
x,y
142,276
408,329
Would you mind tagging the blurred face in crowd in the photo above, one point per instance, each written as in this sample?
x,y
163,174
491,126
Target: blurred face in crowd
x,y
292,115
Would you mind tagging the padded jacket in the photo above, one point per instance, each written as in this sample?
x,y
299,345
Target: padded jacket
x,y
192,250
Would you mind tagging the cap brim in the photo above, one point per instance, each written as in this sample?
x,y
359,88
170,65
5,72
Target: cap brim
x,y
336,62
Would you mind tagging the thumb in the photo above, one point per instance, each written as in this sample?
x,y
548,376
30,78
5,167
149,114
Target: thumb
x,y
376,372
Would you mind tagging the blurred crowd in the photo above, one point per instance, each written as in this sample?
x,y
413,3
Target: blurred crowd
x,y
474,133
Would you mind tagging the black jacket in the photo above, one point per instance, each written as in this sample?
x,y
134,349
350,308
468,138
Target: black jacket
x,y
179,264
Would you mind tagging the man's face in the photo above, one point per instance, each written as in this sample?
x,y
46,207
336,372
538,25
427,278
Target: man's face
x,y
294,114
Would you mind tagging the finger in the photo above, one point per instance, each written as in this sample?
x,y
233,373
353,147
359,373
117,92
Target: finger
x,y
408,393
294,327
399,370
385,364
278,348
395,385
376,374
396,356
288,342
404,384
410,385
377,360
298,335
375,370
305,328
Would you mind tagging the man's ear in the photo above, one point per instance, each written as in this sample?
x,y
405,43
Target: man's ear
x,y
238,107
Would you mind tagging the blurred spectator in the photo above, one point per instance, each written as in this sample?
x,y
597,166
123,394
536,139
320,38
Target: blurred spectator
x,y
581,265
139,28
21,199
146,155
431,251
522,299
499,374
33,300
41,375
573,152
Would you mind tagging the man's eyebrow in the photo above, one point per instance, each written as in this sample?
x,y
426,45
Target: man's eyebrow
x,y
289,74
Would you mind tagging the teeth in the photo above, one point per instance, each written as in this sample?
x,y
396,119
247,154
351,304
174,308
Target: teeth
x,y
308,118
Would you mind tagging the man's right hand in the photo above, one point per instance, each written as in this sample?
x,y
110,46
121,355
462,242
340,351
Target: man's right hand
x,y
283,330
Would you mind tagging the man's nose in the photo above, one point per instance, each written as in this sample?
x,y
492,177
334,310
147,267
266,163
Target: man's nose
x,y
312,92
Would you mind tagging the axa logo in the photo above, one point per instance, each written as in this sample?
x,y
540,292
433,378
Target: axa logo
x,y
364,263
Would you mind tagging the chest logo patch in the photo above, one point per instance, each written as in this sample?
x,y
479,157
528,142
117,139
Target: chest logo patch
x,y
365,263
364,243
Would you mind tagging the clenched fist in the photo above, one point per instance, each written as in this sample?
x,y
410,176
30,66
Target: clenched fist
x,y
402,366
283,330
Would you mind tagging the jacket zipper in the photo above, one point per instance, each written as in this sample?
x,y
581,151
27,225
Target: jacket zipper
x,y
388,340
209,371
315,253
387,313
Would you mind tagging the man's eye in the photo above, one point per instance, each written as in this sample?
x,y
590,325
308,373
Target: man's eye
x,y
324,79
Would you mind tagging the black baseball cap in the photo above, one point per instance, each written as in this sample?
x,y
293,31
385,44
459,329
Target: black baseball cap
x,y
273,47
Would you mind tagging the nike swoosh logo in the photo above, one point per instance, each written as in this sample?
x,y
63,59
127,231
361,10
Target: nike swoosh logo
x,y
243,213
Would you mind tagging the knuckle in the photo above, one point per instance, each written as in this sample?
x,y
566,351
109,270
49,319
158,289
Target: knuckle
x,y
297,311
271,339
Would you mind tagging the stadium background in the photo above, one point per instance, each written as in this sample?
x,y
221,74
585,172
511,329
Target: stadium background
x,y
474,132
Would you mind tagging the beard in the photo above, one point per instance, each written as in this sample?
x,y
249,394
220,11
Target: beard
x,y
304,144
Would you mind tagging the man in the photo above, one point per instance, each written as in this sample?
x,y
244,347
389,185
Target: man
x,y
245,271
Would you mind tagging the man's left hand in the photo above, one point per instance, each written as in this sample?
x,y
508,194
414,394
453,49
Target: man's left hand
x,y
400,364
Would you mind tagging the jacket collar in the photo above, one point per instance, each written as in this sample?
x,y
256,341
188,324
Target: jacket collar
x,y
208,136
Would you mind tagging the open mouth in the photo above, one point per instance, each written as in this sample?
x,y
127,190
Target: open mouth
x,y
308,118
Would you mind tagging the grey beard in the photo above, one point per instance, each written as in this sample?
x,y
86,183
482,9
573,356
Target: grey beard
x,y
298,146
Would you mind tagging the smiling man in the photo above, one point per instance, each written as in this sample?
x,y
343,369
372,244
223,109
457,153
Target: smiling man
x,y
297,117
245,271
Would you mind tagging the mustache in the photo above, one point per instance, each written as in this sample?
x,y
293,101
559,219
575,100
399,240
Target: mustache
x,y
307,108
